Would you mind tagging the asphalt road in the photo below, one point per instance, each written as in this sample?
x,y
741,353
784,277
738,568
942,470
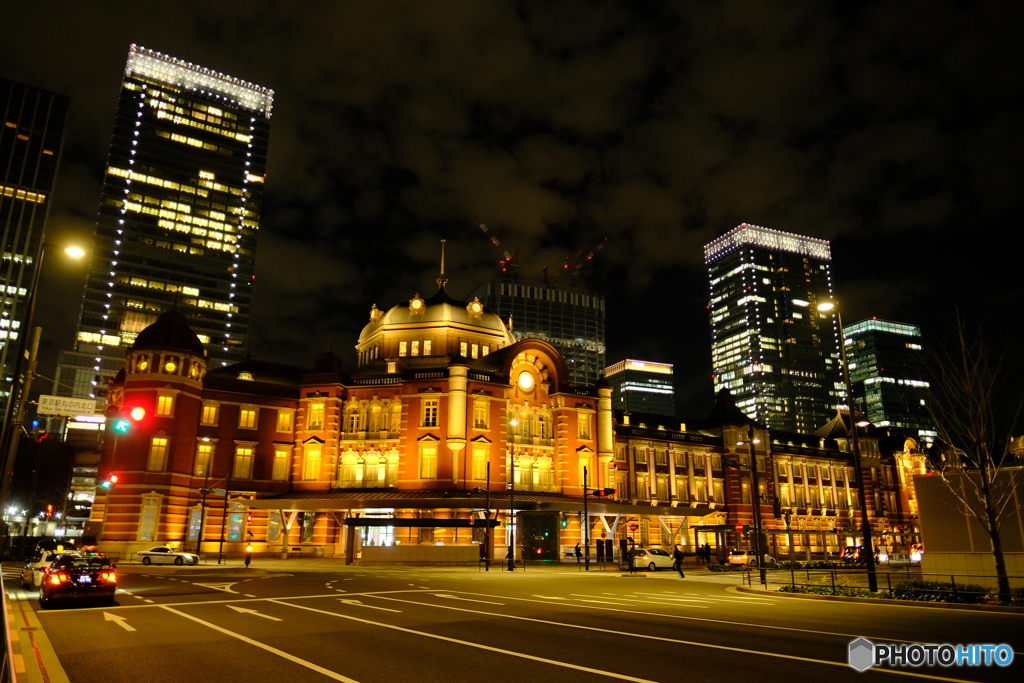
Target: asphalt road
x,y
458,625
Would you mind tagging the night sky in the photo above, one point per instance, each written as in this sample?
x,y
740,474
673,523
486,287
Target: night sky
x,y
891,128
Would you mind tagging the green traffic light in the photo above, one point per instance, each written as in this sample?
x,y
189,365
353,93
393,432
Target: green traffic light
x,y
122,426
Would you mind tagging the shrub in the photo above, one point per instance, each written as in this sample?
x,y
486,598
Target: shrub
x,y
940,591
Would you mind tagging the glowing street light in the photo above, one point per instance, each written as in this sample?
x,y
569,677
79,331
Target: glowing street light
x,y
868,552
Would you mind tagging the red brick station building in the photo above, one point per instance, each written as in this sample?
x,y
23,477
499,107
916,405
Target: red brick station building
x,y
448,421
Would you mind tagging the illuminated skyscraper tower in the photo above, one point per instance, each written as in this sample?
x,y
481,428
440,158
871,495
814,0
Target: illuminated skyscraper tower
x,y
31,132
178,215
887,373
769,344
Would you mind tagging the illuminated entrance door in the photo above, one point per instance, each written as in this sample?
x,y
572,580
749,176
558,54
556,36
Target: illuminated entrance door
x,y
378,535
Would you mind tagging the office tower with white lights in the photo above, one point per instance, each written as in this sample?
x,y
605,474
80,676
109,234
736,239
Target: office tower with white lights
x,y
642,386
570,319
178,215
887,373
32,123
770,346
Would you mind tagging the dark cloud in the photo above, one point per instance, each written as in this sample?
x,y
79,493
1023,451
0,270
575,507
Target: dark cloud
x,y
890,128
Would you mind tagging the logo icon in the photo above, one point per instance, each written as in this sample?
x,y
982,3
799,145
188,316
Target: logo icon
x,y
862,654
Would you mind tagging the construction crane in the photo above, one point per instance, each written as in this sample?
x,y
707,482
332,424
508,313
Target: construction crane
x,y
573,264
510,262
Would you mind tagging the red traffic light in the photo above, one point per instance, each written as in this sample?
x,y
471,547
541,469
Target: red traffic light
x,y
137,413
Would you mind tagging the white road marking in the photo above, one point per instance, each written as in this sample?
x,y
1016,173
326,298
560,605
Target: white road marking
x,y
226,587
633,635
622,601
249,596
117,619
359,603
455,597
253,612
280,653
523,655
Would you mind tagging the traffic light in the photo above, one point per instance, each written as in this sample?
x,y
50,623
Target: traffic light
x,y
109,482
603,492
564,521
49,510
124,425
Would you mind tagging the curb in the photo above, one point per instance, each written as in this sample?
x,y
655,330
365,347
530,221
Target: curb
x,y
885,601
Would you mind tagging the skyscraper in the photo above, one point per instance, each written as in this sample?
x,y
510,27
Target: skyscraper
x,y
769,344
570,319
178,215
642,386
886,371
31,137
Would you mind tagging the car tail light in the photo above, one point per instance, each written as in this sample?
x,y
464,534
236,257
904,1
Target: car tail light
x,y
109,576
58,578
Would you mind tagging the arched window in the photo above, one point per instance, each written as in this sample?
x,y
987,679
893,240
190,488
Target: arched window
x,y
376,421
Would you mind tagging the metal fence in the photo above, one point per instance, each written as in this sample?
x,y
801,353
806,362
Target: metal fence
x,y
904,584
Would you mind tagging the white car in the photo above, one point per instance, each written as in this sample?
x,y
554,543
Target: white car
x,y
652,558
164,555
32,575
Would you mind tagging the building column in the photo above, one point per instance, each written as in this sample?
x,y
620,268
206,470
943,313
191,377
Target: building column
x,y
457,406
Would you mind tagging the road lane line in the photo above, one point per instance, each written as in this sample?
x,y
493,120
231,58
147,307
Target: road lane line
x,y
455,597
273,650
522,655
359,603
712,646
243,610
623,602
716,621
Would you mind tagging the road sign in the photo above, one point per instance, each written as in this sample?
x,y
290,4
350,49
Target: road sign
x,y
66,407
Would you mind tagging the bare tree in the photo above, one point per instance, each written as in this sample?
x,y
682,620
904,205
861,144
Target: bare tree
x,y
975,420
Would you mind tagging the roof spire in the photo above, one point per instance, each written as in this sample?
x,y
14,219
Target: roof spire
x,y
442,281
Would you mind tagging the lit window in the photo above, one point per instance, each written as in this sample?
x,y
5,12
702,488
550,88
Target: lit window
x,y
281,462
428,460
480,414
243,462
209,416
204,453
157,454
415,348
165,406
480,462
247,417
426,347
430,407
403,348
583,425
284,419
474,351
463,349
311,466
316,416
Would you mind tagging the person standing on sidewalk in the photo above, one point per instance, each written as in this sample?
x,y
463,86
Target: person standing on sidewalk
x,y
677,564
578,553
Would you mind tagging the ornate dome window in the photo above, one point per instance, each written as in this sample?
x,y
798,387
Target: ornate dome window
x,y
417,305
475,308
170,366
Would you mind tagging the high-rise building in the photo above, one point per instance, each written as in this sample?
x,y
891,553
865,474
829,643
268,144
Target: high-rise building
x,y
886,371
31,138
570,319
770,346
178,215
641,386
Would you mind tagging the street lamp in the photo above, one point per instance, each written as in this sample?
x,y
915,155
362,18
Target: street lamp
x,y
755,486
868,551
14,413
511,501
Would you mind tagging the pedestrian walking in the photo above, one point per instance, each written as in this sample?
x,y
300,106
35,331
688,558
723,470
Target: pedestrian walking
x,y
578,553
677,564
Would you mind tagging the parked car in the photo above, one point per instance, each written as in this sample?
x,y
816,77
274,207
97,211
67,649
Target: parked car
x,y
749,557
652,558
32,574
164,555
78,576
